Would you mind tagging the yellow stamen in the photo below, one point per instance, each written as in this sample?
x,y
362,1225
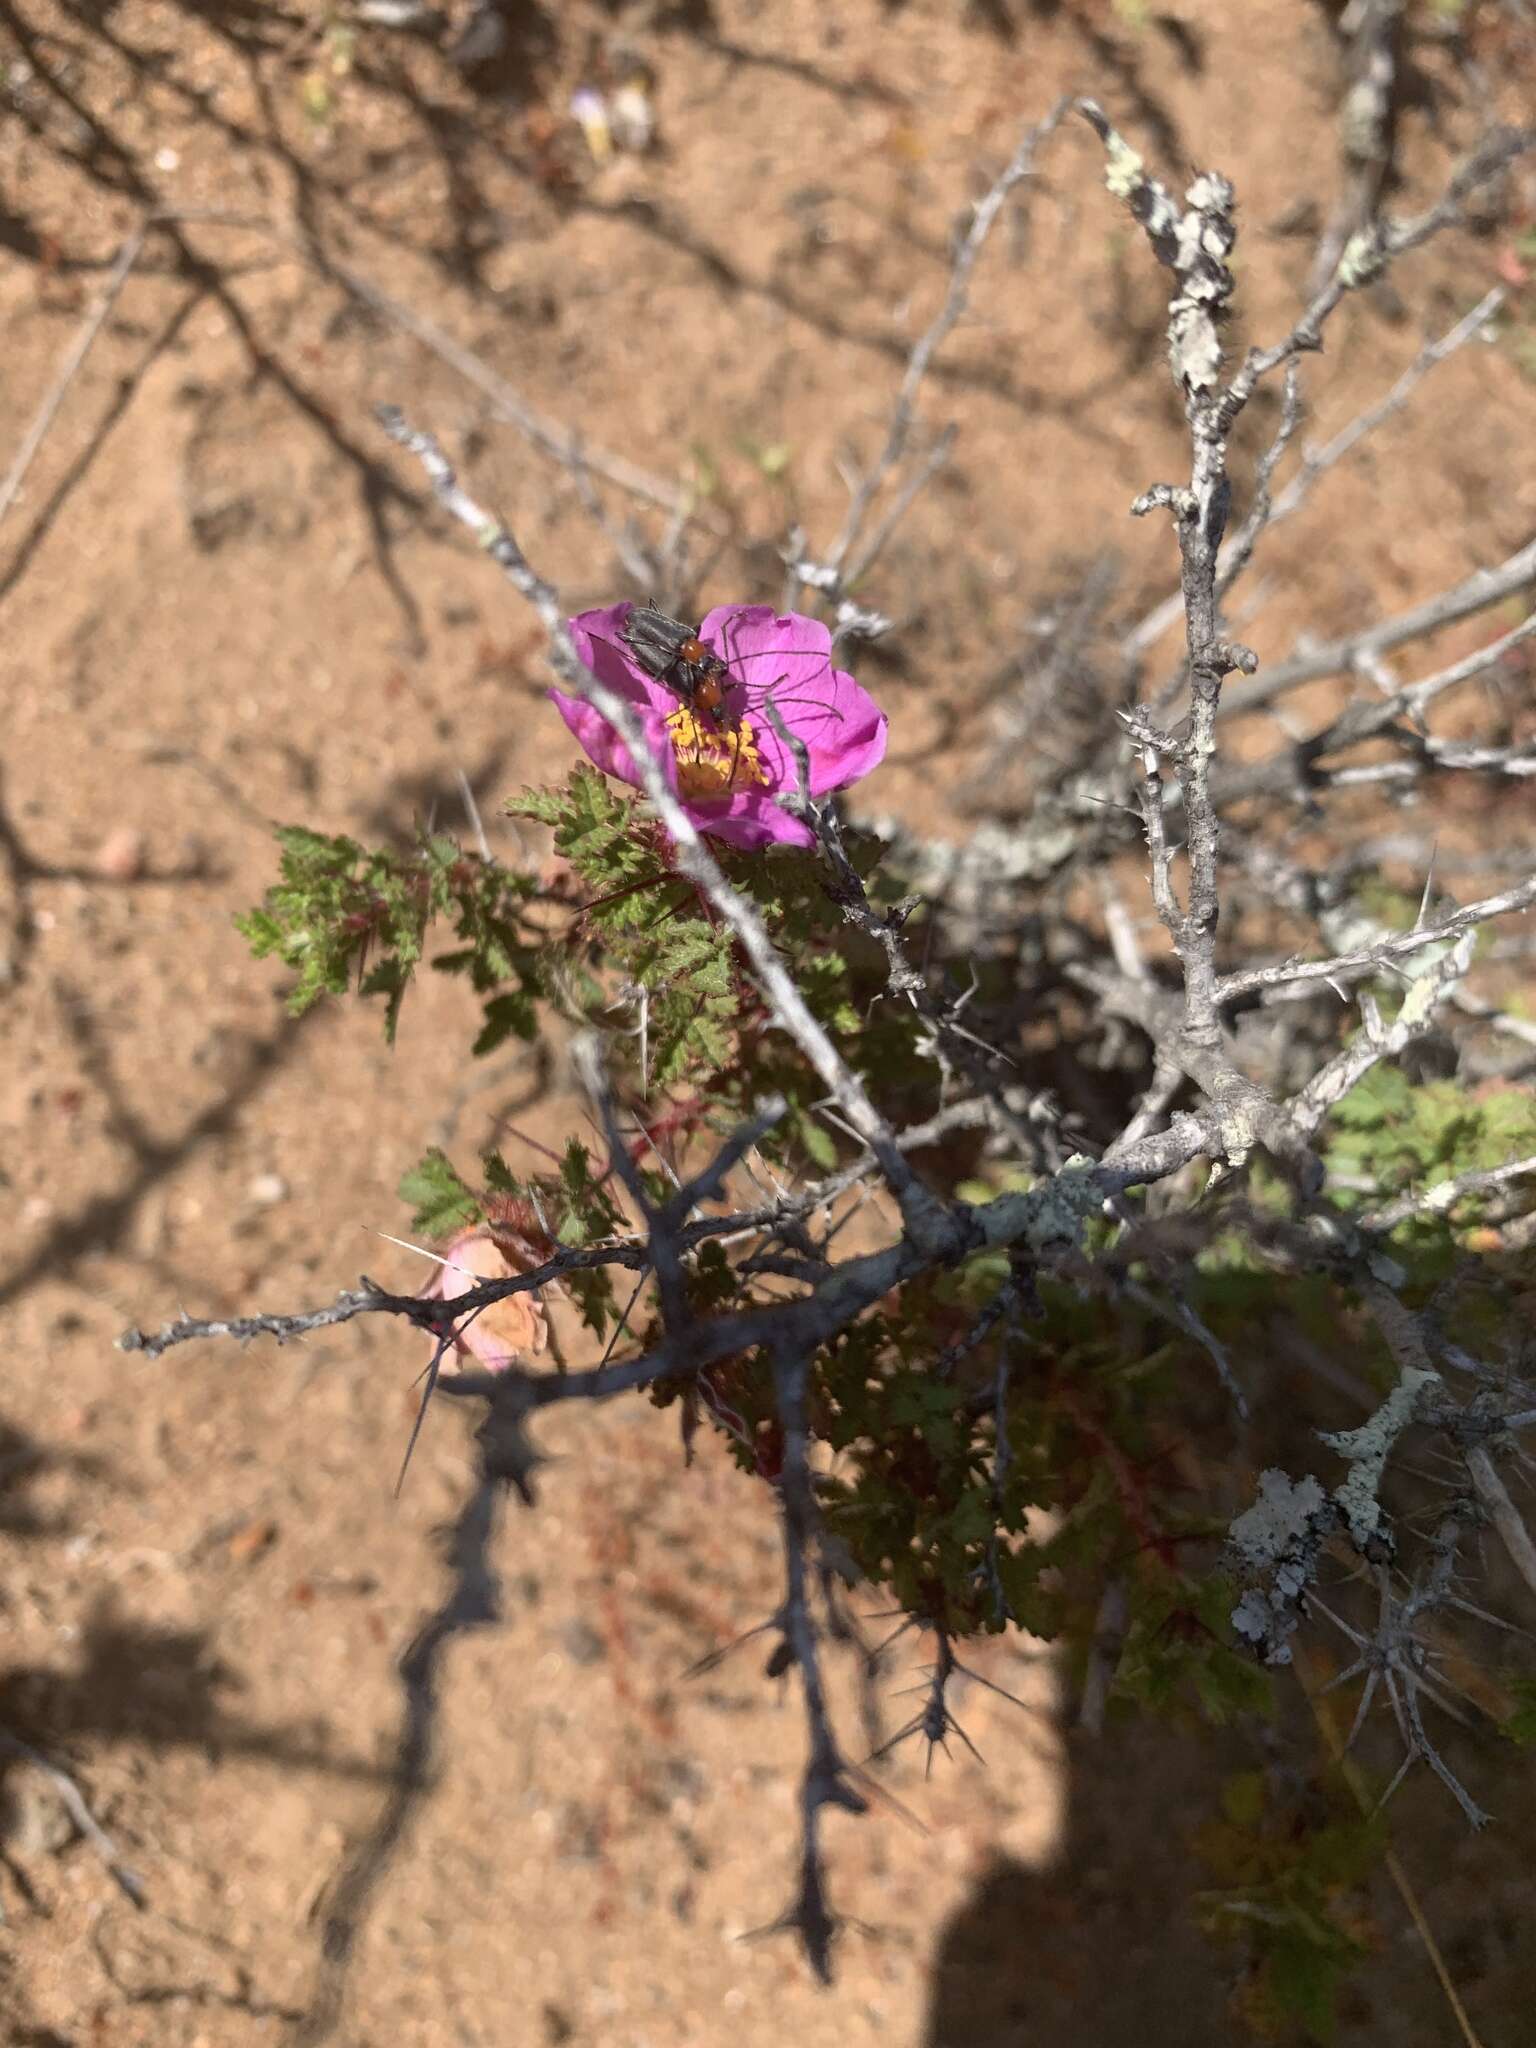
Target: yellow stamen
x,y
711,763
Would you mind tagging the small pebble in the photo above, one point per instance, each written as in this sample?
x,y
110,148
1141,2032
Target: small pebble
x,y
268,1189
33,1819
120,856
583,1642
251,1539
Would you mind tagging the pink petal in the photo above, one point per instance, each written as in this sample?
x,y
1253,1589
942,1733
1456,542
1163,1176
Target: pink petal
x,y
750,820
602,745
508,1331
759,644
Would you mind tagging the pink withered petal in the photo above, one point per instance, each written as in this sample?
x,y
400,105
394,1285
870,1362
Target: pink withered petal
x,y
731,772
511,1330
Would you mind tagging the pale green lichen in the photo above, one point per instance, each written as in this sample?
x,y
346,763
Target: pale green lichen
x,y
1368,1448
1052,1213
1279,1540
1284,1518
1125,172
1362,259
1425,993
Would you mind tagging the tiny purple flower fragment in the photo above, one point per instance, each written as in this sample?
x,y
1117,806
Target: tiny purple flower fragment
x,y
729,768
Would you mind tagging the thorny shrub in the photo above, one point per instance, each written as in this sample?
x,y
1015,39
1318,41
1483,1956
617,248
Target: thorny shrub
x,y
1074,1389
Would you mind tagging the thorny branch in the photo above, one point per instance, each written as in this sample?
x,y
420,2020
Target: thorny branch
x,y
1370,959
1317,463
1373,34
1195,244
1475,593
950,1042
1373,247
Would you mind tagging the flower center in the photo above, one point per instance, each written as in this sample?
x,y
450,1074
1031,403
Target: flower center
x,y
711,763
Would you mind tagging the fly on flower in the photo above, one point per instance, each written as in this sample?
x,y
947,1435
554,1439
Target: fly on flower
x,y
677,654
674,654
702,692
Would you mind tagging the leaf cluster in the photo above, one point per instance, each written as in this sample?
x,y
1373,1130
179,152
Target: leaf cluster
x,y
1393,1133
643,943
342,912
1392,1136
641,939
1293,1879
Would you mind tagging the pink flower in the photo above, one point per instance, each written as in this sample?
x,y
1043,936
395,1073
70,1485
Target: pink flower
x,y
730,768
510,1330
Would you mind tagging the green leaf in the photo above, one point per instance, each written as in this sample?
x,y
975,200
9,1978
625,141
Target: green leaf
x,y
1304,1977
509,1016
389,979
339,909
589,1209
1242,1798
1384,1094
820,1145
440,1200
1520,1726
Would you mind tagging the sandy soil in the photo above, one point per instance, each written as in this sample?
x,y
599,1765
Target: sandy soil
x,y
227,603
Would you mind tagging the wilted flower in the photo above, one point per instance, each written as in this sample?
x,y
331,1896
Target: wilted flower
x,y
511,1330
729,771
634,125
591,111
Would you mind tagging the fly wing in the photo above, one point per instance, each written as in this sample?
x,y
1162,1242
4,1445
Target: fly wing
x,y
653,638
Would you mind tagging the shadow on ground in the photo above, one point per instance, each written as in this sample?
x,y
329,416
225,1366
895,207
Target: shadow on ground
x,y
1101,1948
